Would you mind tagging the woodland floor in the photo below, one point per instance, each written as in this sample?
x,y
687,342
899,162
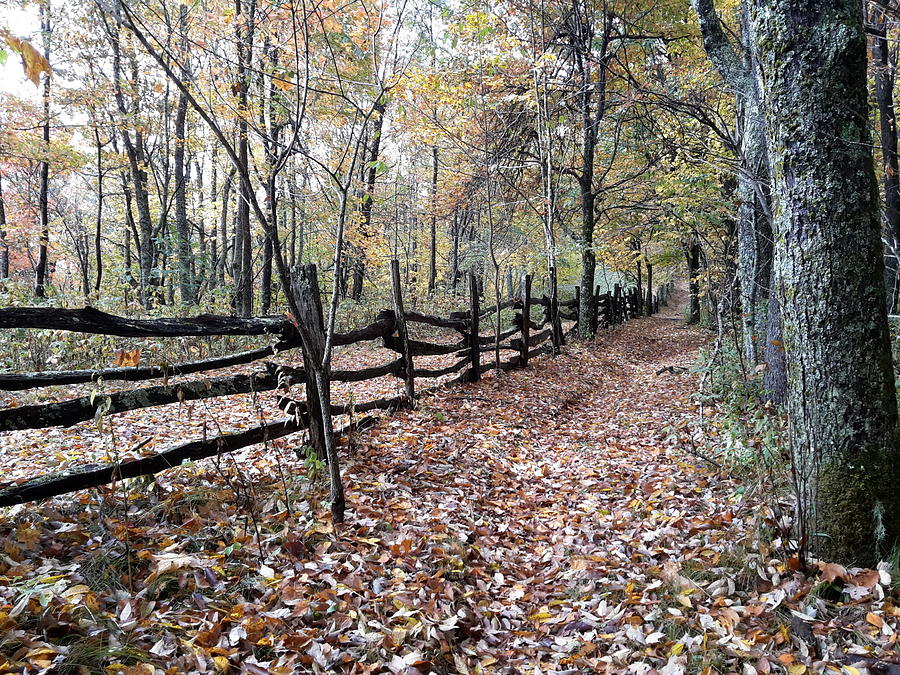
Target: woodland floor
x,y
546,520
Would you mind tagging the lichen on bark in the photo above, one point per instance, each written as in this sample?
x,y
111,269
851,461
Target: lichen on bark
x,y
841,402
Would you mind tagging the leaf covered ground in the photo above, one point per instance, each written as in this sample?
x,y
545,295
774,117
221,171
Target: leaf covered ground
x,y
552,519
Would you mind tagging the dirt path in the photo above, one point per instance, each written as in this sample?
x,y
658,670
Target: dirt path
x,y
542,508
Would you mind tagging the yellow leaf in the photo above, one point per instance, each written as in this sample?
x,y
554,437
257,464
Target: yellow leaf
x,y
676,649
222,664
78,590
796,669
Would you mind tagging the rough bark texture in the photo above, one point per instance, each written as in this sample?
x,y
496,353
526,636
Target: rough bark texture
x,y
90,320
841,402
887,117
312,331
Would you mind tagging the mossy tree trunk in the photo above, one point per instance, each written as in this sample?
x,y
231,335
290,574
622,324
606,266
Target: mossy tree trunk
x,y
841,400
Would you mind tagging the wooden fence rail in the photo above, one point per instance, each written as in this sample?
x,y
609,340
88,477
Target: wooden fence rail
x,y
526,337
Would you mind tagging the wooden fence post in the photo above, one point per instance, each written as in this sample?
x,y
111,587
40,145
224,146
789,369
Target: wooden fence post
x,y
311,325
577,308
474,346
400,318
597,301
555,327
617,304
526,317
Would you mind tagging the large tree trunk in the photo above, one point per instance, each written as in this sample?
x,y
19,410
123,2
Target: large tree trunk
x,y
841,402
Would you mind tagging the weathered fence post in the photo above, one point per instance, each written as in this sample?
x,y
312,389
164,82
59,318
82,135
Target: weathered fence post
x,y
577,308
648,305
400,317
311,326
526,317
617,304
474,346
555,325
597,301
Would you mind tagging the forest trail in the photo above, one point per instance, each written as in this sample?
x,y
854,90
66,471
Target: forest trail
x,y
543,520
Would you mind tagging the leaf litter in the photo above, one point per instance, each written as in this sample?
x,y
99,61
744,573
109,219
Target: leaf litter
x,y
544,520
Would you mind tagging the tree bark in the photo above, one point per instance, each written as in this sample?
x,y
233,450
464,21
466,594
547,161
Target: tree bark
x,y
841,403
887,117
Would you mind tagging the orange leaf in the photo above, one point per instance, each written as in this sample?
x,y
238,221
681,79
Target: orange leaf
x,y
875,620
832,571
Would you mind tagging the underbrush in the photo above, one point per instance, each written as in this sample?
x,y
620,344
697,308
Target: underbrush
x,y
747,434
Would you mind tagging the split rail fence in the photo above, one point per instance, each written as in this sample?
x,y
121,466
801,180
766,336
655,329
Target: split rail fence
x,y
525,339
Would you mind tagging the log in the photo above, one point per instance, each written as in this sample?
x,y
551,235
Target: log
x,y
506,304
489,339
381,327
73,411
438,372
91,320
459,324
91,476
22,381
420,348
533,339
290,376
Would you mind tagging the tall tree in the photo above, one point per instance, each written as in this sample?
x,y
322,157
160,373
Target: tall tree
x,y
841,402
41,270
734,61
186,283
